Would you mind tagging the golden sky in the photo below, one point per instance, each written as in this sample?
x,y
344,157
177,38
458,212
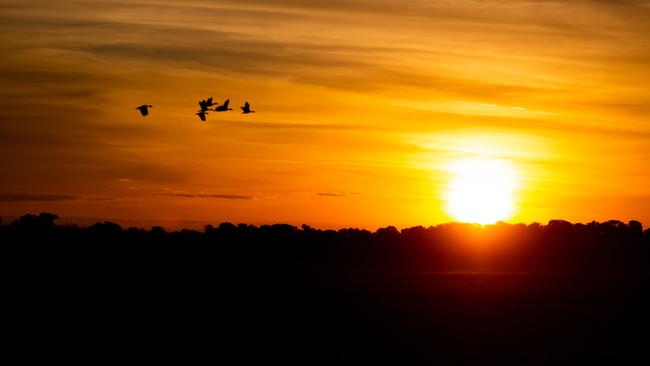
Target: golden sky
x,y
362,108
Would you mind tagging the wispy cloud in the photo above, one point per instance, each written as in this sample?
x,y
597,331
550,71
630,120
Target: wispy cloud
x,y
202,195
18,197
326,194
37,197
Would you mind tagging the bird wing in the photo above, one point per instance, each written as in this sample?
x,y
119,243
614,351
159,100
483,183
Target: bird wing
x,y
247,106
225,104
210,101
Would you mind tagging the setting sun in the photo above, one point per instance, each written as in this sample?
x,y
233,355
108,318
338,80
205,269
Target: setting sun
x,y
481,190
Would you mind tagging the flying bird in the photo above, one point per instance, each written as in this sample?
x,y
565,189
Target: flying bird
x,y
144,109
224,107
205,104
246,109
202,114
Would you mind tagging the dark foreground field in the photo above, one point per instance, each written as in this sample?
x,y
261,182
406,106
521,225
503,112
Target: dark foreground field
x,y
456,318
478,318
339,318
452,294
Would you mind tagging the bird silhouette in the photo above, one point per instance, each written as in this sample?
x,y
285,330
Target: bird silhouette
x,y
144,109
205,104
202,114
246,109
224,107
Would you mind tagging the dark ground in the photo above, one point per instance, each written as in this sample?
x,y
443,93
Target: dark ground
x,y
337,317
560,293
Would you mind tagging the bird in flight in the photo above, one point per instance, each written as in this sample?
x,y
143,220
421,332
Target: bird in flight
x,y
144,109
205,104
224,107
246,109
202,114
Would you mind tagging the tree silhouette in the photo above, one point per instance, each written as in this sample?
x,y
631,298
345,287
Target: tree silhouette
x,y
446,294
560,245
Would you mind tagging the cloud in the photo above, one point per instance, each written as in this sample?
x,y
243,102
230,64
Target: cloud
x,y
22,197
37,197
270,125
228,196
200,195
184,195
325,62
97,199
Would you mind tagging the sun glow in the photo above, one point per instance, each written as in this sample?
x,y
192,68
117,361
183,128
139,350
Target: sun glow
x,y
481,190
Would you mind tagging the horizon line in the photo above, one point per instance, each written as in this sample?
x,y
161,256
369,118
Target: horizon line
x,y
128,223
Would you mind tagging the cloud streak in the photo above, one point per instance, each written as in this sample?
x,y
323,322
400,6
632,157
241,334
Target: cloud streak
x,y
200,195
20,197
37,198
326,194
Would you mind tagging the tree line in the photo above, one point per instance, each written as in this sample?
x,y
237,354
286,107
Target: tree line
x,y
611,246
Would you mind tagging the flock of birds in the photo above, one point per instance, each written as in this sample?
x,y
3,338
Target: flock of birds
x,y
204,106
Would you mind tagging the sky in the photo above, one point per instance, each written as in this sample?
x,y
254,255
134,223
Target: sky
x,y
363,109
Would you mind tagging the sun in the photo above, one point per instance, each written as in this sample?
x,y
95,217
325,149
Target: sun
x,y
481,190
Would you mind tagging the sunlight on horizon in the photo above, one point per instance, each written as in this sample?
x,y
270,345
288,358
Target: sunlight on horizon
x,y
481,190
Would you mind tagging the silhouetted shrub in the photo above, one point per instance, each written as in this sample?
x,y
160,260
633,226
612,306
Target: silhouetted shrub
x,y
557,246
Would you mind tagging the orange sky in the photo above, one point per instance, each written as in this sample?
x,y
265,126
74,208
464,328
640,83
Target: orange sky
x,y
362,106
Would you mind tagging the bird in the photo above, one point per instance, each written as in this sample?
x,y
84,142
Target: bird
x,y
246,109
205,104
224,107
202,114
144,109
